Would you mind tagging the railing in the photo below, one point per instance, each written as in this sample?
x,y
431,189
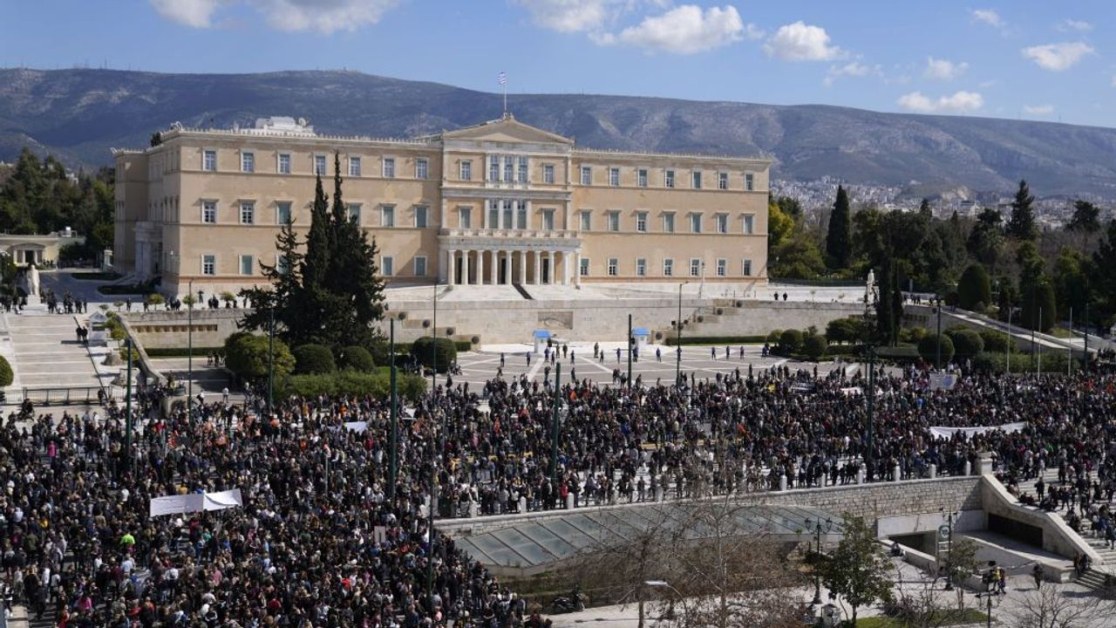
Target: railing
x,y
47,395
510,233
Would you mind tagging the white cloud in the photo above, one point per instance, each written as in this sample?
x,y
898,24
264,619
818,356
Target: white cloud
x,y
854,69
754,33
570,16
987,16
960,102
801,42
686,30
1058,57
324,16
1038,110
943,69
1080,26
194,13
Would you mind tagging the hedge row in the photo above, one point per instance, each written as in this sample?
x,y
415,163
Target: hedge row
x,y
6,375
376,384
177,352
715,340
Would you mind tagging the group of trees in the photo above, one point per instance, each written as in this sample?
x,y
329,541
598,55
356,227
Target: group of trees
x,y
1005,267
40,197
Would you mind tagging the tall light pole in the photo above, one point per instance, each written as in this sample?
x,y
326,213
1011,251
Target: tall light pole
x,y
871,299
554,427
393,462
678,339
128,405
819,527
190,350
270,357
949,551
631,345
434,345
939,356
1007,349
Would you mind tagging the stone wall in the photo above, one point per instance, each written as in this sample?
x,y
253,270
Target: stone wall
x,y
171,330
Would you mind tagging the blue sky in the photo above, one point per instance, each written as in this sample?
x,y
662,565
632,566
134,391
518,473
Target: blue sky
x,y
1030,59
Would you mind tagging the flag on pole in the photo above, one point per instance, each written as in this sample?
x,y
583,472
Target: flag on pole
x,y
502,78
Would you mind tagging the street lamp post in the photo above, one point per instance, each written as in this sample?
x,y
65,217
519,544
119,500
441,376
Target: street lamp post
x,y
393,462
871,298
128,405
434,345
631,345
1007,334
949,551
270,358
819,527
678,339
938,362
190,350
554,427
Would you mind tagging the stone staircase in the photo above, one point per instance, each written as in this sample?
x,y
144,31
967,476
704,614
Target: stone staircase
x,y
1098,575
46,355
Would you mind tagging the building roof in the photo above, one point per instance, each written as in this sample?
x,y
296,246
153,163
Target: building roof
x,y
505,129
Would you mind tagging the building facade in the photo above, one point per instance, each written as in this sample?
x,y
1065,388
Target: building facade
x,y
497,203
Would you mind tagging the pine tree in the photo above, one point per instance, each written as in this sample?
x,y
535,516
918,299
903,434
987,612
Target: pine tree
x,y
837,241
285,294
1021,225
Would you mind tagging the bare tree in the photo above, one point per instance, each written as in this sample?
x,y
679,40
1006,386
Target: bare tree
x,y
1054,607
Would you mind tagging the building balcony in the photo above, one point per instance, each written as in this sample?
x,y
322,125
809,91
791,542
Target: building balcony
x,y
517,234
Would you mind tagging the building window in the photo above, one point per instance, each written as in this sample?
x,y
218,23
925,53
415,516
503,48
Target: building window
x,y
284,163
584,269
695,223
354,212
586,220
695,267
669,179
747,268
422,216
320,165
282,212
548,219
422,168
247,264
493,215
749,182
354,166
586,175
209,160
247,162
521,214
420,266
641,222
722,223
509,170
387,266
641,177
613,267
209,264
465,217
722,267
209,212
722,180
641,267
521,171
508,209
387,216
696,178
613,221
668,222
247,212
282,264
466,171
668,267
389,167
614,177
548,173
494,169
749,224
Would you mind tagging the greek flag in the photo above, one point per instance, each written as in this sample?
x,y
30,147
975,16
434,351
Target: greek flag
x,y
502,78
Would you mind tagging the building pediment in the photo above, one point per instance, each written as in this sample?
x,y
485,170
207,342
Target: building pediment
x,y
507,130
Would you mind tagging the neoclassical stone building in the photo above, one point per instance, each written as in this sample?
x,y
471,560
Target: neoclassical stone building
x,y
496,203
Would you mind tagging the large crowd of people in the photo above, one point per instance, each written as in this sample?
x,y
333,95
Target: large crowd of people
x,y
326,535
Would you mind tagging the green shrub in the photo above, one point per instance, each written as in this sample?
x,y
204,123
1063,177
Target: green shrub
x,y
356,358
155,299
966,343
375,384
928,348
790,341
311,359
774,336
6,375
247,356
814,346
994,341
843,330
974,287
440,353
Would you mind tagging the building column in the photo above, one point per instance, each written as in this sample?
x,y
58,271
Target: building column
x,y
565,268
522,267
452,254
465,267
550,268
577,268
538,268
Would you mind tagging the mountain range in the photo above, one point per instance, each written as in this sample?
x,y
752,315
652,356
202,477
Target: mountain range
x,y
79,114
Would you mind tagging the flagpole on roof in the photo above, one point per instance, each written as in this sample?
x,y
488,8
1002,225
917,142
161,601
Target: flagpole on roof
x,y
502,79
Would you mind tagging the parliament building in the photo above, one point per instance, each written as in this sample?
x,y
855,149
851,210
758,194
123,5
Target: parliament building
x,y
496,203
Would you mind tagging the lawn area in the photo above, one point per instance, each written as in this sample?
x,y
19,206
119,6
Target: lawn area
x,y
942,617
96,276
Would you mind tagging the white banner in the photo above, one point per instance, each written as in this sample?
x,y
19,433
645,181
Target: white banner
x,y
357,426
194,502
948,432
943,381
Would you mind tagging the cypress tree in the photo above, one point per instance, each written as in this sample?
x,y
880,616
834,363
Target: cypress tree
x,y
1022,226
837,241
